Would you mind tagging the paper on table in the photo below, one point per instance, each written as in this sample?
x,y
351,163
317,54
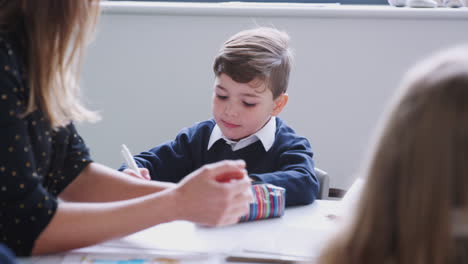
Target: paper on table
x,y
47,259
178,239
133,259
302,233
297,234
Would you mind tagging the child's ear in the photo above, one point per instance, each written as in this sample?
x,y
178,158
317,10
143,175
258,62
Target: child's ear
x,y
280,103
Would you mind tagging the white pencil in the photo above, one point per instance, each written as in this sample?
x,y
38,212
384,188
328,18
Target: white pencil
x,y
129,159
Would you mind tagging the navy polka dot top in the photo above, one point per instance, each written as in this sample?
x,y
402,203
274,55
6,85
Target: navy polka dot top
x,y
36,161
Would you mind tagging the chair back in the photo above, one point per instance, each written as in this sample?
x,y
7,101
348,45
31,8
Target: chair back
x,y
324,181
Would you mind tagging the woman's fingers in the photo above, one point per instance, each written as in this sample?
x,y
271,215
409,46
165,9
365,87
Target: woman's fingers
x,y
238,206
234,214
206,200
228,168
240,188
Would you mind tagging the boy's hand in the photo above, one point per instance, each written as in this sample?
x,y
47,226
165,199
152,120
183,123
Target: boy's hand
x,y
143,172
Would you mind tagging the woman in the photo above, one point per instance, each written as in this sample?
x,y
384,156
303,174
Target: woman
x,y
43,158
414,206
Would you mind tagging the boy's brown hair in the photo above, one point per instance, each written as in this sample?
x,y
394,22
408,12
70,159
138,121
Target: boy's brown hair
x,y
257,54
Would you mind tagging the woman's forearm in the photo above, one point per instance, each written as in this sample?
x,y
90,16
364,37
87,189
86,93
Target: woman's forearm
x,y
98,183
77,225
200,198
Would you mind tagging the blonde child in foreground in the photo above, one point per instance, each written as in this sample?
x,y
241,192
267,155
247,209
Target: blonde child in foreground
x,y
413,209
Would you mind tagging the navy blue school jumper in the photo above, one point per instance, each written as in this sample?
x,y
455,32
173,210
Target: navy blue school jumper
x,y
288,163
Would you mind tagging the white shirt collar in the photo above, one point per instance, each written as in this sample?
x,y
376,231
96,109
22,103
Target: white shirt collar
x,y
266,135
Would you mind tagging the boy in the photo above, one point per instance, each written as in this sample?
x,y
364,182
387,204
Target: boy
x,y
252,72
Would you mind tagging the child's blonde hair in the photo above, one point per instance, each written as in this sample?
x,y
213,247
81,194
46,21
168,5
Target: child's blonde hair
x,y
417,176
257,54
53,34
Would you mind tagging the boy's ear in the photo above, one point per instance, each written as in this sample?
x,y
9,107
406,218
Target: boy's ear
x,y
280,103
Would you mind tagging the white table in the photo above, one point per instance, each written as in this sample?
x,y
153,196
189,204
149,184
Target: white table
x,y
302,231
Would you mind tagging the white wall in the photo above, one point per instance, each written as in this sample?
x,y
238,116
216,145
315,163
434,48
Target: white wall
x,y
149,71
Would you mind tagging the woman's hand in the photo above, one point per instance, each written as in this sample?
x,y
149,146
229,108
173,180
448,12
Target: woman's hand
x,y
202,198
143,172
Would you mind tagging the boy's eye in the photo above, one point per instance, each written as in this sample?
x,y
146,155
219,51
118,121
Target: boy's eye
x,y
248,104
221,97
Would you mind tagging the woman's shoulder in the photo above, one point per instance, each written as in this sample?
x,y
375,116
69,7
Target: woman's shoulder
x,y
7,44
11,65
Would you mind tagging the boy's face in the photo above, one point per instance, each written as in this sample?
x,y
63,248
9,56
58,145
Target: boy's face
x,y
240,110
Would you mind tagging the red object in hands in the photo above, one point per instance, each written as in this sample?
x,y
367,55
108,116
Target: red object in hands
x,y
228,176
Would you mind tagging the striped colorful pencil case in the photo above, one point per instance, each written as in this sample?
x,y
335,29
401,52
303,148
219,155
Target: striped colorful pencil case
x,y
268,202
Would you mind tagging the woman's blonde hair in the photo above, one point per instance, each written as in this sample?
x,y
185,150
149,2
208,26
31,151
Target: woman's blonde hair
x,y
417,175
53,34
